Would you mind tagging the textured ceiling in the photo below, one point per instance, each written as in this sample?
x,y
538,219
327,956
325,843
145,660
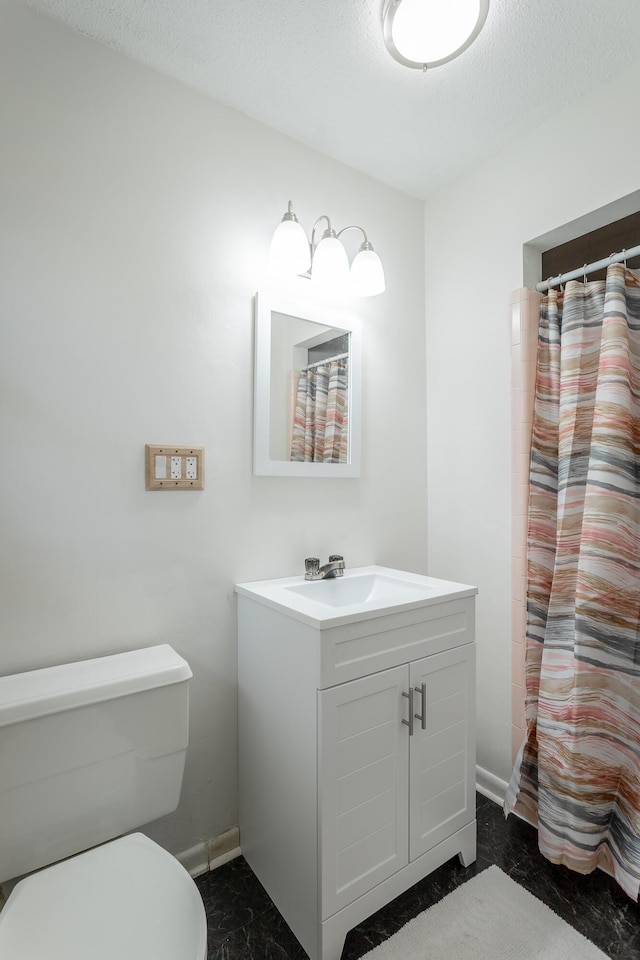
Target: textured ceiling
x,y
318,71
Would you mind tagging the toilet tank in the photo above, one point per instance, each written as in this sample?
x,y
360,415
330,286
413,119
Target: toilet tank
x,y
89,751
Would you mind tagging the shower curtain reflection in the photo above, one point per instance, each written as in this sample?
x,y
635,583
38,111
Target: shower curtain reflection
x,y
320,428
578,772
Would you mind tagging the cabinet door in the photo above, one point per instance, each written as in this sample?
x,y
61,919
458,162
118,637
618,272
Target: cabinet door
x,y
442,756
363,785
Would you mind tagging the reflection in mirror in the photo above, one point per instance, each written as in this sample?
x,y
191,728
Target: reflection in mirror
x,y
307,385
309,391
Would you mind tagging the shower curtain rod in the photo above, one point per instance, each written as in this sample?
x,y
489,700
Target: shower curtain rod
x,y
320,363
587,268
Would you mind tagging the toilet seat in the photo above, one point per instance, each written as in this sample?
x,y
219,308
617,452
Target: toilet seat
x,y
126,900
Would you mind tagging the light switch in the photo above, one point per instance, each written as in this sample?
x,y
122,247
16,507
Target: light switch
x,y
160,471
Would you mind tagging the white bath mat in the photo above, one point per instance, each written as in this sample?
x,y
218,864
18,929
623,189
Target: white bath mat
x,y
488,918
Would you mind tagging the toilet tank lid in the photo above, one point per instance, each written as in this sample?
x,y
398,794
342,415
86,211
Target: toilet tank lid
x,y
36,693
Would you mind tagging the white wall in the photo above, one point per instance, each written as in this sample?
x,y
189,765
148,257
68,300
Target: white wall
x,y
135,222
577,162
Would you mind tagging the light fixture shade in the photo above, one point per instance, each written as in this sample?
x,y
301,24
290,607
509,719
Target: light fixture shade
x,y
428,33
330,264
289,254
367,276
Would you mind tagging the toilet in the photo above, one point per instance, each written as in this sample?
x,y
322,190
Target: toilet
x,y
90,751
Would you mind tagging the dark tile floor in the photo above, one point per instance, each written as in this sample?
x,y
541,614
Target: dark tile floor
x,y
245,925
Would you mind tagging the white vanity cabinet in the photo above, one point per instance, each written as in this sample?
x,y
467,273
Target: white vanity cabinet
x,y
343,802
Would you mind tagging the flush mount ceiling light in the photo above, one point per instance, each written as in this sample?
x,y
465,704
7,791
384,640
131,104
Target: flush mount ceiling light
x,y
427,33
325,260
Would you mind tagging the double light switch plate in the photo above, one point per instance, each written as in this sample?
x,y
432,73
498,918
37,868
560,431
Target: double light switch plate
x,y
174,468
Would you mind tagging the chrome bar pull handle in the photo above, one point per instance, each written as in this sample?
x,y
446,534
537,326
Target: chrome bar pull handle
x,y
422,690
409,722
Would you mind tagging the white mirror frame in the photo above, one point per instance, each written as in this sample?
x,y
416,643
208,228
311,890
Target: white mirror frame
x,y
267,303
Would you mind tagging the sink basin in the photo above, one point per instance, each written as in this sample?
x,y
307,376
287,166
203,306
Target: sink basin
x,y
359,594
370,588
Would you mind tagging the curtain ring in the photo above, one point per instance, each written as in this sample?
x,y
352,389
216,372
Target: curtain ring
x,y
584,272
624,252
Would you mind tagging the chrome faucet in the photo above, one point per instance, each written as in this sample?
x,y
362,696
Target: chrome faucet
x,y
313,570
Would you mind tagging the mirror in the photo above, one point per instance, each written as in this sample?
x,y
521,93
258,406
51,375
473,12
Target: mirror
x,y
306,389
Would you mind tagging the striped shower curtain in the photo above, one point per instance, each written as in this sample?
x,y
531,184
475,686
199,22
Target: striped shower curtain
x,y
578,773
320,425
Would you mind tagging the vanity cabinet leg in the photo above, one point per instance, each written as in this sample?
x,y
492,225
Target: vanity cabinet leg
x,y
331,941
467,854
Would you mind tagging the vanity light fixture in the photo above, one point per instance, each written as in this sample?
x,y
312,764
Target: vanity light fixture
x,y
325,260
427,33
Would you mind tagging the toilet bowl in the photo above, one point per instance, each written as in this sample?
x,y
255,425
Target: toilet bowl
x,y
89,751
126,900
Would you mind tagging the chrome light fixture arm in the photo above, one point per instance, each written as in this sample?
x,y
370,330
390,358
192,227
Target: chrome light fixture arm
x,y
365,245
289,214
329,232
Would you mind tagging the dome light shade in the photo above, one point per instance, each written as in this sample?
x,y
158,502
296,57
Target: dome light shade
x,y
367,276
289,254
330,263
428,33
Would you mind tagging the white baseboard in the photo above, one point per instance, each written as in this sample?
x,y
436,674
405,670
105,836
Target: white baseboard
x,y
490,786
211,853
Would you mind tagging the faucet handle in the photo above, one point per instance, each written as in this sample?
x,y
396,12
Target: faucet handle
x,y
334,557
311,567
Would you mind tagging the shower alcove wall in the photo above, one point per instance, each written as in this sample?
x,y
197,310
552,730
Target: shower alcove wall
x,y
525,307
